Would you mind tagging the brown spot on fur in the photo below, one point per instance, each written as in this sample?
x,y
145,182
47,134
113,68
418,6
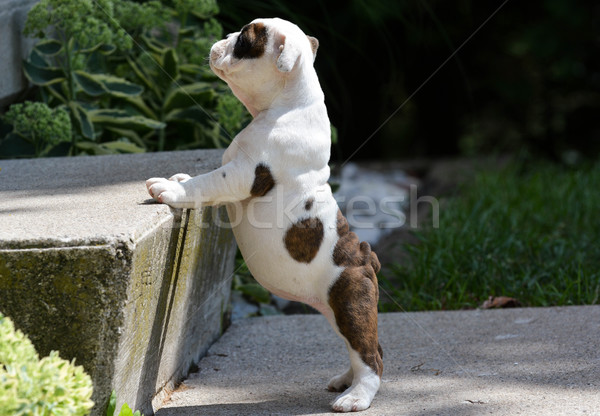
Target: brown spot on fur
x,y
354,295
251,42
304,239
309,203
263,180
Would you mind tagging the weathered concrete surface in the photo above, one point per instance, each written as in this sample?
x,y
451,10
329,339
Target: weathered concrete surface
x,y
539,361
89,266
13,47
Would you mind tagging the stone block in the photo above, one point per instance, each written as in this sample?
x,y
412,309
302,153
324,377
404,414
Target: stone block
x,y
14,47
135,291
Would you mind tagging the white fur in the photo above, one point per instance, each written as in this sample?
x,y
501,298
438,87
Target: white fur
x,y
290,133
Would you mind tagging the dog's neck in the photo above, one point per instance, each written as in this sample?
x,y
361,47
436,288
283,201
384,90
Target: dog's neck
x,y
296,90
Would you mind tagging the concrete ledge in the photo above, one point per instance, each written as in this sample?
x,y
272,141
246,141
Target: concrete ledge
x,y
538,361
135,291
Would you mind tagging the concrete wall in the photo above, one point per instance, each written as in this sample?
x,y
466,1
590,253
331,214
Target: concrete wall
x,y
13,47
135,291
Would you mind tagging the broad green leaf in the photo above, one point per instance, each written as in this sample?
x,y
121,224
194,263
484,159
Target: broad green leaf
x,y
334,134
112,404
93,148
199,93
123,147
42,76
49,47
268,310
256,292
170,63
100,47
122,119
191,114
98,84
126,410
190,69
186,31
154,46
139,103
118,87
35,58
130,134
107,49
88,84
83,120
143,76
58,91
14,145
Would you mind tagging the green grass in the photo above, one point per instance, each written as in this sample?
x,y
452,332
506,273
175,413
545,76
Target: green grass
x,y
531,232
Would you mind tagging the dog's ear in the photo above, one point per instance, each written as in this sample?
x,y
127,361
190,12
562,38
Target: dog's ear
x,y
314,44
288,54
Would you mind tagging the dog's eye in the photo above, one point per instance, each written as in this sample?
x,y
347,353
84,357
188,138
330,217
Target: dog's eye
x,y
242,45
242,42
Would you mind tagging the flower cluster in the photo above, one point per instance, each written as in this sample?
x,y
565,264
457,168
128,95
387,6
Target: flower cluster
x,y
30,386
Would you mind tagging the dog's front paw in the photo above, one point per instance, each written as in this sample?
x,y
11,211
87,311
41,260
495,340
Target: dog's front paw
x,y
170,192
180,177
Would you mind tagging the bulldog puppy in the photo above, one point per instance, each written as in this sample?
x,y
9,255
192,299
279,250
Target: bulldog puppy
x,y
273,180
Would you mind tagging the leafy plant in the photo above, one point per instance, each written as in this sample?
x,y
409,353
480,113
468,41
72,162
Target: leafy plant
x,y
131,76
180,91
40,126
77,38
125,409
33,386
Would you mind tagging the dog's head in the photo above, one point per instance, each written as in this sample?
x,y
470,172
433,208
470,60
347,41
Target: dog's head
x,y
258,61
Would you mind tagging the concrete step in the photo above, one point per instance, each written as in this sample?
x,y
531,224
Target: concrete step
x,y
90,266
529,361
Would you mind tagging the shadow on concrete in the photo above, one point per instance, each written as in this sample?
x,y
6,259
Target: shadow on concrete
x,y
53,176
274,407
162,314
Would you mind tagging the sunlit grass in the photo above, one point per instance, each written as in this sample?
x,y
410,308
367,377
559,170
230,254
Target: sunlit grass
x,y
531,232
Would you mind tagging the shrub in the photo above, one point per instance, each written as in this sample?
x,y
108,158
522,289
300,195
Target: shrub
x,y
33,386
131,76
40,126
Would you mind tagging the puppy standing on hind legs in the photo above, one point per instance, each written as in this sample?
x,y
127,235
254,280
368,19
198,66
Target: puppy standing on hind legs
x,y
275,172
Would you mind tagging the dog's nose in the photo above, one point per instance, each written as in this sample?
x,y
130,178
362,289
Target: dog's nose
x,y
214,55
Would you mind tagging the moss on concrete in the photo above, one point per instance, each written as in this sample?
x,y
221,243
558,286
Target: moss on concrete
x,y
133,291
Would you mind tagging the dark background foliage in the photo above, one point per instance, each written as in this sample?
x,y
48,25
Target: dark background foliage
x,y
528,80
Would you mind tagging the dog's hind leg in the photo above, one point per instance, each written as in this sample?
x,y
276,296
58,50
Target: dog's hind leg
x,y
353,299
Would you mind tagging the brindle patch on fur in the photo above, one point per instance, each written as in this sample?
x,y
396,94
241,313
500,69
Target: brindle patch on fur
x,y
263,180
251,42
303,239
354,295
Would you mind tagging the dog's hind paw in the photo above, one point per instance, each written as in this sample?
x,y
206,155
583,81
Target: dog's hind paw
x,y
359,396
341,382
351,402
